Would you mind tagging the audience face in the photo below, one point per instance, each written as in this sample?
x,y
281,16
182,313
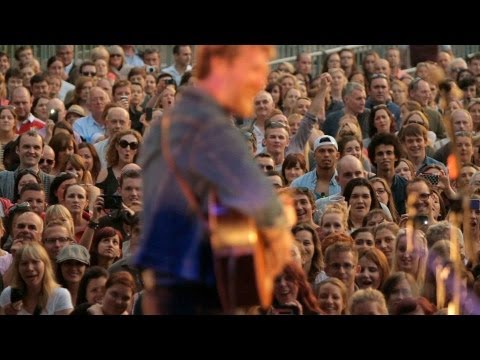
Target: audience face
x,y
353,148
27,226
36,199
343,266
96,290
364,240
423,198
76,199
304,208
332,223
385,242
400,291
117,299
47,161
132,193
369,275
408,261
109,247
304,240
360,201
404,171
285,290
55,238
265,163
294,172
330,299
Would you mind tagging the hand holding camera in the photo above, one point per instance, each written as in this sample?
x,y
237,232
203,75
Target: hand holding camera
x,y
124,102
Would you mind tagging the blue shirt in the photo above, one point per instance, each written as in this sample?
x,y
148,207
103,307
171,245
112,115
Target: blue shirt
x,y
88,128
309,180
210,155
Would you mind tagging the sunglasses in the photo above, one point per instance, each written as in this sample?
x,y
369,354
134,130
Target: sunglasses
x,y
53,240
48,161
89,73
124,144
22,206
113,55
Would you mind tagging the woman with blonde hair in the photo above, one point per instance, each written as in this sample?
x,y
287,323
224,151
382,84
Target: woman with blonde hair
x,y
33,289
411,253
61,214
332,296
334,219
367,302
399,92
117,64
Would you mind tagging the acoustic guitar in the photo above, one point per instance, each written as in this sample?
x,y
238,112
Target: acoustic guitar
x,y
243,260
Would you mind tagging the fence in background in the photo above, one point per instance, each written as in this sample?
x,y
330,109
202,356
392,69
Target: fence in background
x,y
284,52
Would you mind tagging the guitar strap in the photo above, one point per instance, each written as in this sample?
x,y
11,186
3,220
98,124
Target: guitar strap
x,y
194,205
187,191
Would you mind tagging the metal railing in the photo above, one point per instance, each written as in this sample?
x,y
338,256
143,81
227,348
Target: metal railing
x,y
318,56
284,52
82,52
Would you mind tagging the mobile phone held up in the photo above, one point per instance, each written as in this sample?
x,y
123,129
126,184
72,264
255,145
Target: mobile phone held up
x,y
112,202
148,114
431,178
53,115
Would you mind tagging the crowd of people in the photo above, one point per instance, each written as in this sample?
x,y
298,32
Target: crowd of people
x,y
380,165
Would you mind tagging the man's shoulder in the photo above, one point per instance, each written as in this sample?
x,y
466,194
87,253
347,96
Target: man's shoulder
x,y
5,174
82,120
335,114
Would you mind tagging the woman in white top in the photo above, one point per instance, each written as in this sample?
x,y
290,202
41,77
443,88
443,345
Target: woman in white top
x,y
35,291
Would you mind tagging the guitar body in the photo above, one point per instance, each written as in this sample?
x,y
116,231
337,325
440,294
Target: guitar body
x,y
239,256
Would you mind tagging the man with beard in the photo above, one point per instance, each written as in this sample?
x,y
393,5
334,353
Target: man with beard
x,y
322,180
384,152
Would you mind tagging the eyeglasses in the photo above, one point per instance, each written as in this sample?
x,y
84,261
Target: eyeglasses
x,y
48,161
21,206
124,144
88,73
54,240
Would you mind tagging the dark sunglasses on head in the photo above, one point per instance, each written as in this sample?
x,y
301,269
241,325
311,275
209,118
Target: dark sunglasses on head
x,y
124,143
48,161
89,73
22,206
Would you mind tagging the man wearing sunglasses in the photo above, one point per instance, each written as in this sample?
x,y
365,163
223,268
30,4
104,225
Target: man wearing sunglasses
x,y
47,161
88,69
